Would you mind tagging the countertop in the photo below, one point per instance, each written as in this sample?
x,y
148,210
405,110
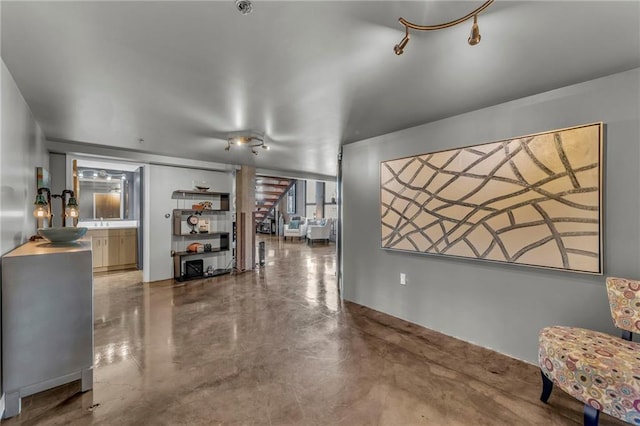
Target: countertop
x,y
109,224
40,247
100,228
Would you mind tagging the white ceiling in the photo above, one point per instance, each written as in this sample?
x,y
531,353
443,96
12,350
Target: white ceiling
x,y
311,75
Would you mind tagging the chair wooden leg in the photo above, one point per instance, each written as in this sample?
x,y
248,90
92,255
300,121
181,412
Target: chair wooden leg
x,y
547,387
590,415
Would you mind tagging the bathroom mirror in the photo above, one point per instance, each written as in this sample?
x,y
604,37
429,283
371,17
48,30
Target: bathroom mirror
x,y
108,193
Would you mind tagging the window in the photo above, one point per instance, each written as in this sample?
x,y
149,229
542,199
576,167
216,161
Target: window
x,y
291,200
330,192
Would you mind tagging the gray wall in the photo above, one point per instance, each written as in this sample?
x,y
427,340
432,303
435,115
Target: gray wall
x,y
21,151
498,306
58,171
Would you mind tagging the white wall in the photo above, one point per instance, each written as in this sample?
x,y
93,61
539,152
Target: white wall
x,y
498,306
21,151
160,182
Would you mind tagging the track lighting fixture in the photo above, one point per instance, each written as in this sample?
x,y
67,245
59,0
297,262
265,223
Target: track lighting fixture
x,y
251,141
399,48
474,37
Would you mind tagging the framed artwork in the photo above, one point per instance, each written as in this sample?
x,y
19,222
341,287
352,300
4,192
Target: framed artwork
x,y
533,200
43,180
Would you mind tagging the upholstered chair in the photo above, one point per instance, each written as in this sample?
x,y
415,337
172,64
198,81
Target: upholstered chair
x,y
321,231
296,228
598,369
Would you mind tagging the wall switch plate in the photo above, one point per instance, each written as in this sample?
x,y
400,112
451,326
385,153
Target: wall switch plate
x,y
403,278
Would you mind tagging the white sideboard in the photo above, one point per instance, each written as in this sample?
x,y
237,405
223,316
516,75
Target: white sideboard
x,y
47,319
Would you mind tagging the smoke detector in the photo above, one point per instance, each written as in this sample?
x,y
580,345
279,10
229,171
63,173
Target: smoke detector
x,y
244,6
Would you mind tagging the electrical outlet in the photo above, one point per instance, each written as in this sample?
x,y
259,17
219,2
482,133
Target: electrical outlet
x,y
403,278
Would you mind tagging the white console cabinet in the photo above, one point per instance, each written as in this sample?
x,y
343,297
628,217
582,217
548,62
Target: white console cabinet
x,y
47,319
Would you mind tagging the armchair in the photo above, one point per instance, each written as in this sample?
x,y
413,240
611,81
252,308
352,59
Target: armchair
x,y
321,231
599,370
296,228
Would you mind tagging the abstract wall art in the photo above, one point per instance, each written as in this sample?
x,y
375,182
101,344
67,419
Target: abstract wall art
x,y
533,200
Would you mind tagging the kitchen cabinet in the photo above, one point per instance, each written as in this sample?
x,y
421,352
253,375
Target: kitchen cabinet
x,y
114,249
99,248
128,254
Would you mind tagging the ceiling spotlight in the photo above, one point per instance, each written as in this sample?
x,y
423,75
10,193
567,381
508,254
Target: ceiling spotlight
x,y
244,6
399,48
474,38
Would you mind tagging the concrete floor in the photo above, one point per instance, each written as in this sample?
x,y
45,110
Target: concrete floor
x,y
278,347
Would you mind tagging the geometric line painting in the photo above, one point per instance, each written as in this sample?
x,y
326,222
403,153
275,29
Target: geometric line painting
x,y
533,200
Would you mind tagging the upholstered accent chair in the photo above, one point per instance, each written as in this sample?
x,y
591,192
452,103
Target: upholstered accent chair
x,y
320,231
598,369
297,227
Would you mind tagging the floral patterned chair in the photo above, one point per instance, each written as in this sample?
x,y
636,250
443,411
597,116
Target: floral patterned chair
x,y
600,370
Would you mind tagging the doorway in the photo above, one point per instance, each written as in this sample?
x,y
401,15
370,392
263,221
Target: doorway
x,y
109,193
301,220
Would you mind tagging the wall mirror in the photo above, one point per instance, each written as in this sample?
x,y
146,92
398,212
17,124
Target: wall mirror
x,y
108,191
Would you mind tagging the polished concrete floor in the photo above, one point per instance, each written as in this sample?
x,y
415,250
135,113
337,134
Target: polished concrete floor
x,y
278,347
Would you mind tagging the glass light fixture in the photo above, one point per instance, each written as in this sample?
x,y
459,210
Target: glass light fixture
x,y
41,210
43,205
72,208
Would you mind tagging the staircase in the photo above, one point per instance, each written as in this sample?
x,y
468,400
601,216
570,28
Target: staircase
x,y
269,191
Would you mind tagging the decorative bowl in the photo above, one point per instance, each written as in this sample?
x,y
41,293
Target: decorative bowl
x,y
62,235
202,188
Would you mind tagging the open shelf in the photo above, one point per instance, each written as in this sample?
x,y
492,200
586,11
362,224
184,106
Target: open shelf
x,y
215,273
198,212
222,197
203,235
195,253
